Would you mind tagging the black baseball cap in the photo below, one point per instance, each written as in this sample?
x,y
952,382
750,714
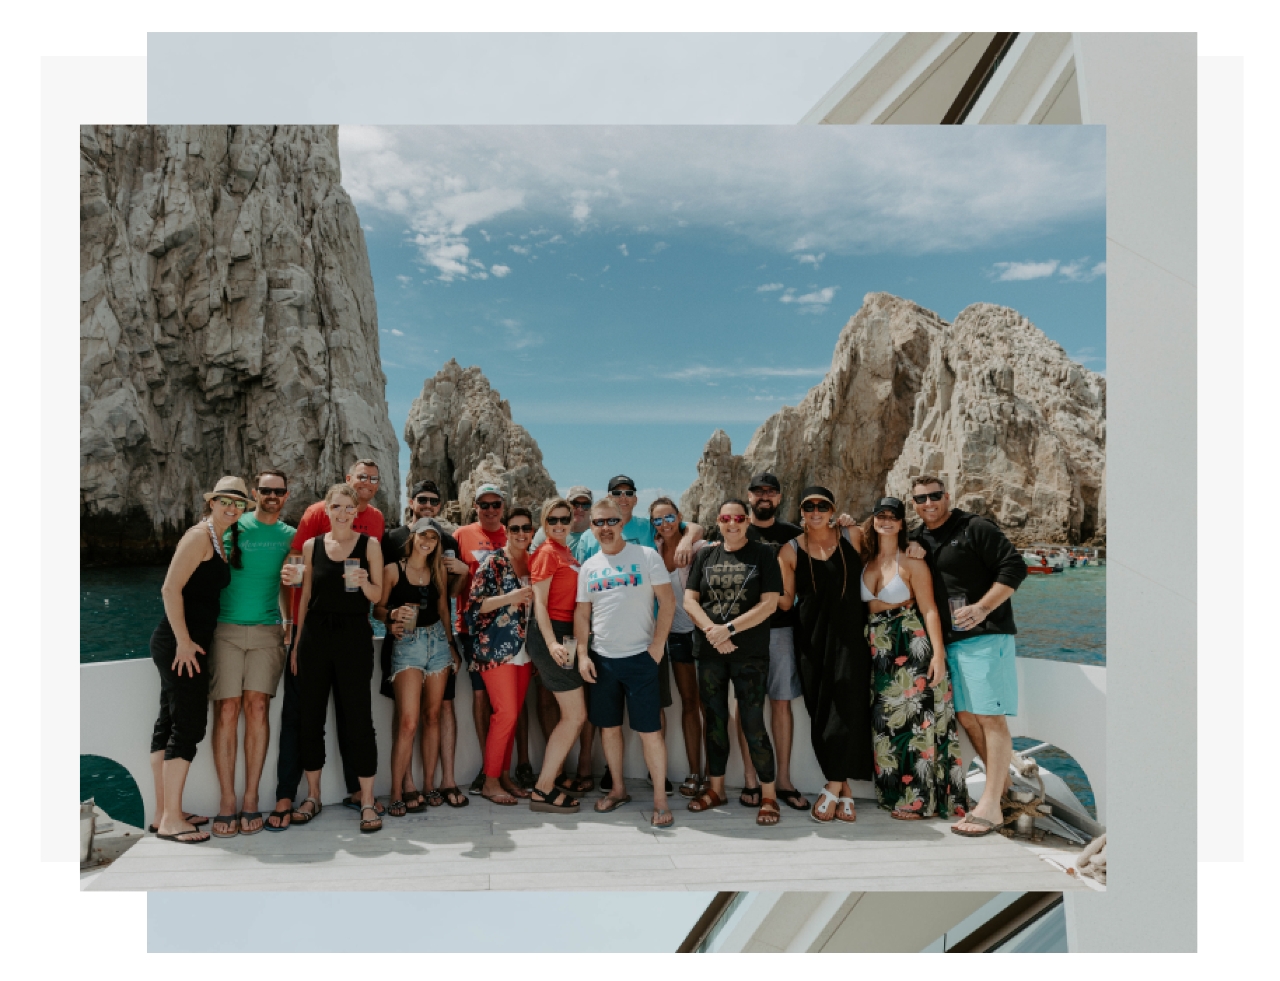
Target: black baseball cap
x,y
891,504
620,480
424,485
765,480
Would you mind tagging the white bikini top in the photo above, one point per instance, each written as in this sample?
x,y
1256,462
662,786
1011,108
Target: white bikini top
x,y
895,591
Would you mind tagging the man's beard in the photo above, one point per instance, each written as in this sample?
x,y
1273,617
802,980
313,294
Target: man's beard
x,y
764,510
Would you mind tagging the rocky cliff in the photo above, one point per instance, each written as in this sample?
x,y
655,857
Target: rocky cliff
x,y
227,323
988,403
460,434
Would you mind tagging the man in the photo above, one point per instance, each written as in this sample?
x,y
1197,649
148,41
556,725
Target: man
x,y
426,501
977,568
638,530
616,591
476,542
764,496
363,476
246,658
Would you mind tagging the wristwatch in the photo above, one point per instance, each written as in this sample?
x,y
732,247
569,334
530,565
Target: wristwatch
x,y
732,629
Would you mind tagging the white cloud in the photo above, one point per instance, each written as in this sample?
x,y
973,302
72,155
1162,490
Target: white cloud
x,y
1008,272
658,247
605,269
815,302
519,249
1080,271
623,248
918,189
701,372
769,287
811,259
397,333
404,280
499,270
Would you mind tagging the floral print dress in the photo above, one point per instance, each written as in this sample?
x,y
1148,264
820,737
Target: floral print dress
x,y
499,636
917,752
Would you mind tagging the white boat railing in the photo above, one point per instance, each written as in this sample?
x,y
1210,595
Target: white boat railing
x,y
1060,703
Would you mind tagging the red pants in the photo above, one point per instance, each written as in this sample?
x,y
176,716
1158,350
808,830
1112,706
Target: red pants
x,y
507,685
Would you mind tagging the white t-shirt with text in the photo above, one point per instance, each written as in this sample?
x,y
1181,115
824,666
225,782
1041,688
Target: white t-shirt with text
x,y
620,589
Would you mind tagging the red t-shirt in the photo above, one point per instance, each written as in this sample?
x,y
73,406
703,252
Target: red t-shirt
x,y
555,562
474,546
315,521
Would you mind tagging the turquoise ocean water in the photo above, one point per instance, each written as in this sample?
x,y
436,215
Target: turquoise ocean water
x,y
1061,617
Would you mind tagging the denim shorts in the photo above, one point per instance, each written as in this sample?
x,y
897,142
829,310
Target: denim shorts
x,y
426,649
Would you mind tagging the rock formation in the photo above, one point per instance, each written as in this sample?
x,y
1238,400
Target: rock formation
x,y
227,323
460,434
1015,428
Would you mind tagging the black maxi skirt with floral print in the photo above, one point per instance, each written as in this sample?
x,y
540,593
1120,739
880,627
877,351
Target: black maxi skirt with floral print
x,y
917,752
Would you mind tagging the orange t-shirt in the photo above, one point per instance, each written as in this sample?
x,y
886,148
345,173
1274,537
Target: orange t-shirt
x,y
474,546
555,562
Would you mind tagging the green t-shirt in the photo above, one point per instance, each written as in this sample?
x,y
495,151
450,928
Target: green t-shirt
x,y
254,594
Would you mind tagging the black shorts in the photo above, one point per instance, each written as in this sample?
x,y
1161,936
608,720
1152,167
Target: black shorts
x,y
551,675
680,648
633,681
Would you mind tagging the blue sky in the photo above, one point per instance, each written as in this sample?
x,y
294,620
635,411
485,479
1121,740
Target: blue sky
x,y
630,289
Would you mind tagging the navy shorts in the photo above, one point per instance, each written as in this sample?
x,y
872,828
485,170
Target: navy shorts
x,y
631,680
466,644
680,648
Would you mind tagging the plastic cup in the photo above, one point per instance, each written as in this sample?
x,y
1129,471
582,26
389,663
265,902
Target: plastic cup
x,y
450,553
410,619
957,603
571,645
295,565
349,567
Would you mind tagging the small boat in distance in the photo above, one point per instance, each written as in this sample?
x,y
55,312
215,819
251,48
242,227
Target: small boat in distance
x,y
1043,561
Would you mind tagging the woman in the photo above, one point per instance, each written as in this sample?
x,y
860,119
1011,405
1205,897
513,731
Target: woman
x,y
732,591
820,571
197,575
422,659
668,528
498,614
918,773
554,574
335,651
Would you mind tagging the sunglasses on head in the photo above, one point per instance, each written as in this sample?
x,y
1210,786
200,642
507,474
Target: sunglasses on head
x,y
231,502
273,491
520,529
620,492
737,519
601,522
427,500
931,496
666,519
562,520
489,505
808,507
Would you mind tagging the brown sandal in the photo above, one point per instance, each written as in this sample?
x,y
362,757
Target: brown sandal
x,y
706,801
768,809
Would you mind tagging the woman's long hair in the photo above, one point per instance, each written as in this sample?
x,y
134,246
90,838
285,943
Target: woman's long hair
x,y
435,561
234,557
658,540
871,539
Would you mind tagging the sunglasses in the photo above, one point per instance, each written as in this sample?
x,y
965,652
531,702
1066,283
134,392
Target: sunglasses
x,y
737,519
349,508
601,522
808,507
565,520
666,519
426,500
623,493
931,496
231,502
582,505
364,478
520,529
273,491
489,506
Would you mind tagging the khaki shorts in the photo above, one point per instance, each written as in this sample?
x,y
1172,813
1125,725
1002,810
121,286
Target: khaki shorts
x,y
245,658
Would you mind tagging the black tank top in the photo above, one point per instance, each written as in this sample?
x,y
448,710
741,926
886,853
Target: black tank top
x,y
329,596
200,597
427,597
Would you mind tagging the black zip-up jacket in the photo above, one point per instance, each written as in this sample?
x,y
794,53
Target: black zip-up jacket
x,y
966,554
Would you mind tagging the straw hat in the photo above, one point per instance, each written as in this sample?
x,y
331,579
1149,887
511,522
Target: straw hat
x,y
231,487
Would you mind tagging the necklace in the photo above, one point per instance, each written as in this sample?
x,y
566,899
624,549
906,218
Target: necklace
x,y
409,573
213,537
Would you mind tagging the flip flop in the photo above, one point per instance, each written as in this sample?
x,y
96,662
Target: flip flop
x,y
844,805
750,796
905,815
249,816
511,802
288,813
794,799
233,819
611,803
825,795
454,797
187,841
655,815
432,798
989,826
195,820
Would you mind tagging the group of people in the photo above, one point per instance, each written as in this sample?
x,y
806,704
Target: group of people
x,y
890,638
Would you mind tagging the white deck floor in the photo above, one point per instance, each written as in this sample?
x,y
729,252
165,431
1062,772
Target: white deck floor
x,y
484,846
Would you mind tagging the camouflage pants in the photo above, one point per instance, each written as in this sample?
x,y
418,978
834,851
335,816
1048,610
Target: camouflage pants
x,y
750,678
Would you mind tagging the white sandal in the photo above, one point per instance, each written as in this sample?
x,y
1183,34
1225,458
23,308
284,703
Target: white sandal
x,y
824,794
843,805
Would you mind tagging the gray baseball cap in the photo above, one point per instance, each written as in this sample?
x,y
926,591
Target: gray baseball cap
x,y
578,490
428,524
484,489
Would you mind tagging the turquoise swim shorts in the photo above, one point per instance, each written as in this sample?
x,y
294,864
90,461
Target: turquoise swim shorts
x,y
984,674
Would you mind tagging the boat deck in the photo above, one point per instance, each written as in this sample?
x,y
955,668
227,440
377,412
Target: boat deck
x,y
485,846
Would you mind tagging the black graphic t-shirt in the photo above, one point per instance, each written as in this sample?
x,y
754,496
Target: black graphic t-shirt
x,y
728,584
775,536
